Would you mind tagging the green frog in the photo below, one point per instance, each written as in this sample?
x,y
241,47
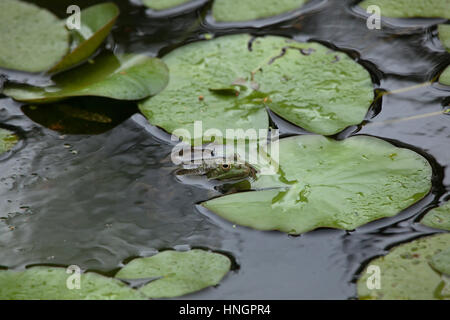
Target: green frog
x,y
219,169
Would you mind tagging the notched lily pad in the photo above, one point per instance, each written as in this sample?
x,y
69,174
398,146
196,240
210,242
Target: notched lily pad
x,y
327,183
48,283
247,10
177,273
438,218
316,88
32,39
407,272
411,8
121,77
7,140
96,24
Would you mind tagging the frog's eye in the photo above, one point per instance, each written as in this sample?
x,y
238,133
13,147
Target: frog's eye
x,y
226,167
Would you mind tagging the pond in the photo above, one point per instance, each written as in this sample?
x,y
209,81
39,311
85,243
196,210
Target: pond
x,y
103,194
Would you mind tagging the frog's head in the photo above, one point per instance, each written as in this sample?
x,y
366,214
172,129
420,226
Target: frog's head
x,y
231,171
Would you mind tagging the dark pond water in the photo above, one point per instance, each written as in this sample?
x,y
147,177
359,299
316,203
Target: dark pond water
x,y
96,200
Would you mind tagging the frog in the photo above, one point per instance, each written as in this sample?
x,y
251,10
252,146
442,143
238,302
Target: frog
x,y
219,169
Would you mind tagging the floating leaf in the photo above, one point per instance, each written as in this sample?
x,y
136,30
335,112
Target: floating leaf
x,y
411,8
96,24
441,262
406,273
247,10
327,183
32,39
7,140
444,35
158,5
46,283
438,218
83,115
123,77
445,76
181,272
308,84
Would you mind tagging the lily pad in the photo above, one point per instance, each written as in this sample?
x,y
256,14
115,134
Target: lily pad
x,y
47,283
7,140
327,183
316,88
438,218
411,8
247,10
96,24
180,273
441,262
158,5
444,35
445,76
32,39
122,77
406,273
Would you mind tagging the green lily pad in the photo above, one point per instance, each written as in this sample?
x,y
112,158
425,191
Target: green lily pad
x,y
444,35
122,77
247,10
7,140
406,273
438,218
181,272
445,76
327,183
96,24
159,5
411,8
441,262
47,283
32,39
318,89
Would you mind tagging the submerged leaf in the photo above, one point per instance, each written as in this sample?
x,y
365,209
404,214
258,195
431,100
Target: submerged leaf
x,y
180,272
406,272
308,84
327,183
7,140
83,115
32,39
96,24
123,77
438,218
247,10
158,5
411,8
47,283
